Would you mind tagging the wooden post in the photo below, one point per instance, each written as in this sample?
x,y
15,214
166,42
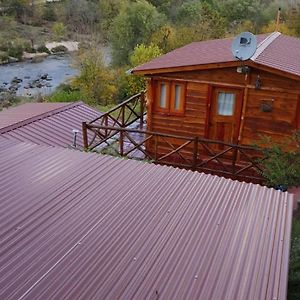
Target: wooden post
x,y
278,19
195,154
234,158
121,139
142,101
85,136
155,147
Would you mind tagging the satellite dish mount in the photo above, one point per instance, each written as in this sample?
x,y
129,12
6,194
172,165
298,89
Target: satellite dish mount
x,y
243,48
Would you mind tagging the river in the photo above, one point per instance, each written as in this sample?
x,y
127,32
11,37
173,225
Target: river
x,y
30,79
37,78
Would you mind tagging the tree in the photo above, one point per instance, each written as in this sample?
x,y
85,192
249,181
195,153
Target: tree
x,y
82,15
59,30
134,25
95,80
141,55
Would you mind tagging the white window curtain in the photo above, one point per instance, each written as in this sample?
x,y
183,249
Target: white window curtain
x,y
226,103
163,95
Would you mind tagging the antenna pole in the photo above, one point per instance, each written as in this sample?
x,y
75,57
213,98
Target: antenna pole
x,y
278,19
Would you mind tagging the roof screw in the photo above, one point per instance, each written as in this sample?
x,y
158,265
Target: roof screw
x,y
134,258
196,276
75,132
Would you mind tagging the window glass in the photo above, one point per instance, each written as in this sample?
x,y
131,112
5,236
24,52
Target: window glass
x,y
163,95
226,103
177,96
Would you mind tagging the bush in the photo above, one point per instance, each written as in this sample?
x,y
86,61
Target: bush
x,y
65,93
43,49
4,57
281,165
59,49
294,265
63,96
16,50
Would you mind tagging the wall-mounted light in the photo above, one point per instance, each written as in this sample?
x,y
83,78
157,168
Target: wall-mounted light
x,y
258,83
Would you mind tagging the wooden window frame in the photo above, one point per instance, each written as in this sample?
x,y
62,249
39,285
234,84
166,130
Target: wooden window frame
x,y
158,107
170,95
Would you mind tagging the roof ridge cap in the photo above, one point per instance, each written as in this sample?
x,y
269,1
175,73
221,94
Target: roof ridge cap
x,y
265,44
40,117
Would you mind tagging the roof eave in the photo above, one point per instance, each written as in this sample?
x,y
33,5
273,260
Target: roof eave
x,y
186,68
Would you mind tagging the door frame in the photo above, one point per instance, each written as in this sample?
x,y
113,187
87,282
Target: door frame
x,y
211,89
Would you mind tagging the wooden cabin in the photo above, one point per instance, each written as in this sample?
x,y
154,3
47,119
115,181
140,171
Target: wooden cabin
x,y
202,90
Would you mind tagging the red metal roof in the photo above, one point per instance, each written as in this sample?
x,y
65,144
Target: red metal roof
x,y
25,111
275,50
80,225
282,54
52,127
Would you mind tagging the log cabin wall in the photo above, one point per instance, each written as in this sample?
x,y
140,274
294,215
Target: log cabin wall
x,y
278,92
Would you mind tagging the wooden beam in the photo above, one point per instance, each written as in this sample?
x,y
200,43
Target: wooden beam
x,y
230,85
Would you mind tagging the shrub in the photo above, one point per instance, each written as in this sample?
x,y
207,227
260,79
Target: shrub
x,y
59,49
281,166
43,49
3,57
16,50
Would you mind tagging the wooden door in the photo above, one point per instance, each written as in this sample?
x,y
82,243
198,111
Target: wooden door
x,y
225,115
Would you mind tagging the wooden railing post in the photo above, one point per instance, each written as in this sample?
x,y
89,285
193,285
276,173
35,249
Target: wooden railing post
x,y
155,147
195,153
234,157
85,136
121,139
142,103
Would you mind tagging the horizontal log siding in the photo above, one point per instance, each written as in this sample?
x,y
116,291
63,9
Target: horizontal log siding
x,y
279,123
192,123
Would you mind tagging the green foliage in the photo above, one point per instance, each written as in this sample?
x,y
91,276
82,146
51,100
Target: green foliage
x,y
65,95
3,56
141,55
49,13
282,166
165,38
59,30
134,25
16,49
294,265
43,48
59,49
96,81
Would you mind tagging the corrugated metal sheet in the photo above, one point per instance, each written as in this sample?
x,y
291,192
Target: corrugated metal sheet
x,y
25,111
53,127
84,226
281,52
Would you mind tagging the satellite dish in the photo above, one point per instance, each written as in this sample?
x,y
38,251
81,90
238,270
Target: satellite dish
x,y
244,46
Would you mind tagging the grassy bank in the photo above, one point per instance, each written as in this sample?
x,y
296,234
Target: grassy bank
x,y
294,266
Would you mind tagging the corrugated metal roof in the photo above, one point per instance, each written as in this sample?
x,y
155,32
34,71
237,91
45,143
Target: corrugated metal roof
x,y
281,52
52,127
80,225
25,111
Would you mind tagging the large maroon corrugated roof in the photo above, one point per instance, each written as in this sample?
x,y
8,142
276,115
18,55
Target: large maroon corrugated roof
x,y
275,50
25,111
80,225
52,127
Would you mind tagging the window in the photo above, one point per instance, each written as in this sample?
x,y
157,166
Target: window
x,y
171,97
226,104
163,95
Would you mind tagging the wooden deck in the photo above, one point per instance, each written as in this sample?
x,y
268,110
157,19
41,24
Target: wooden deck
x,y
122,132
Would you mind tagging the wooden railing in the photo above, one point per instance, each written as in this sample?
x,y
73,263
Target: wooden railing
x,y
199,154
123,115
